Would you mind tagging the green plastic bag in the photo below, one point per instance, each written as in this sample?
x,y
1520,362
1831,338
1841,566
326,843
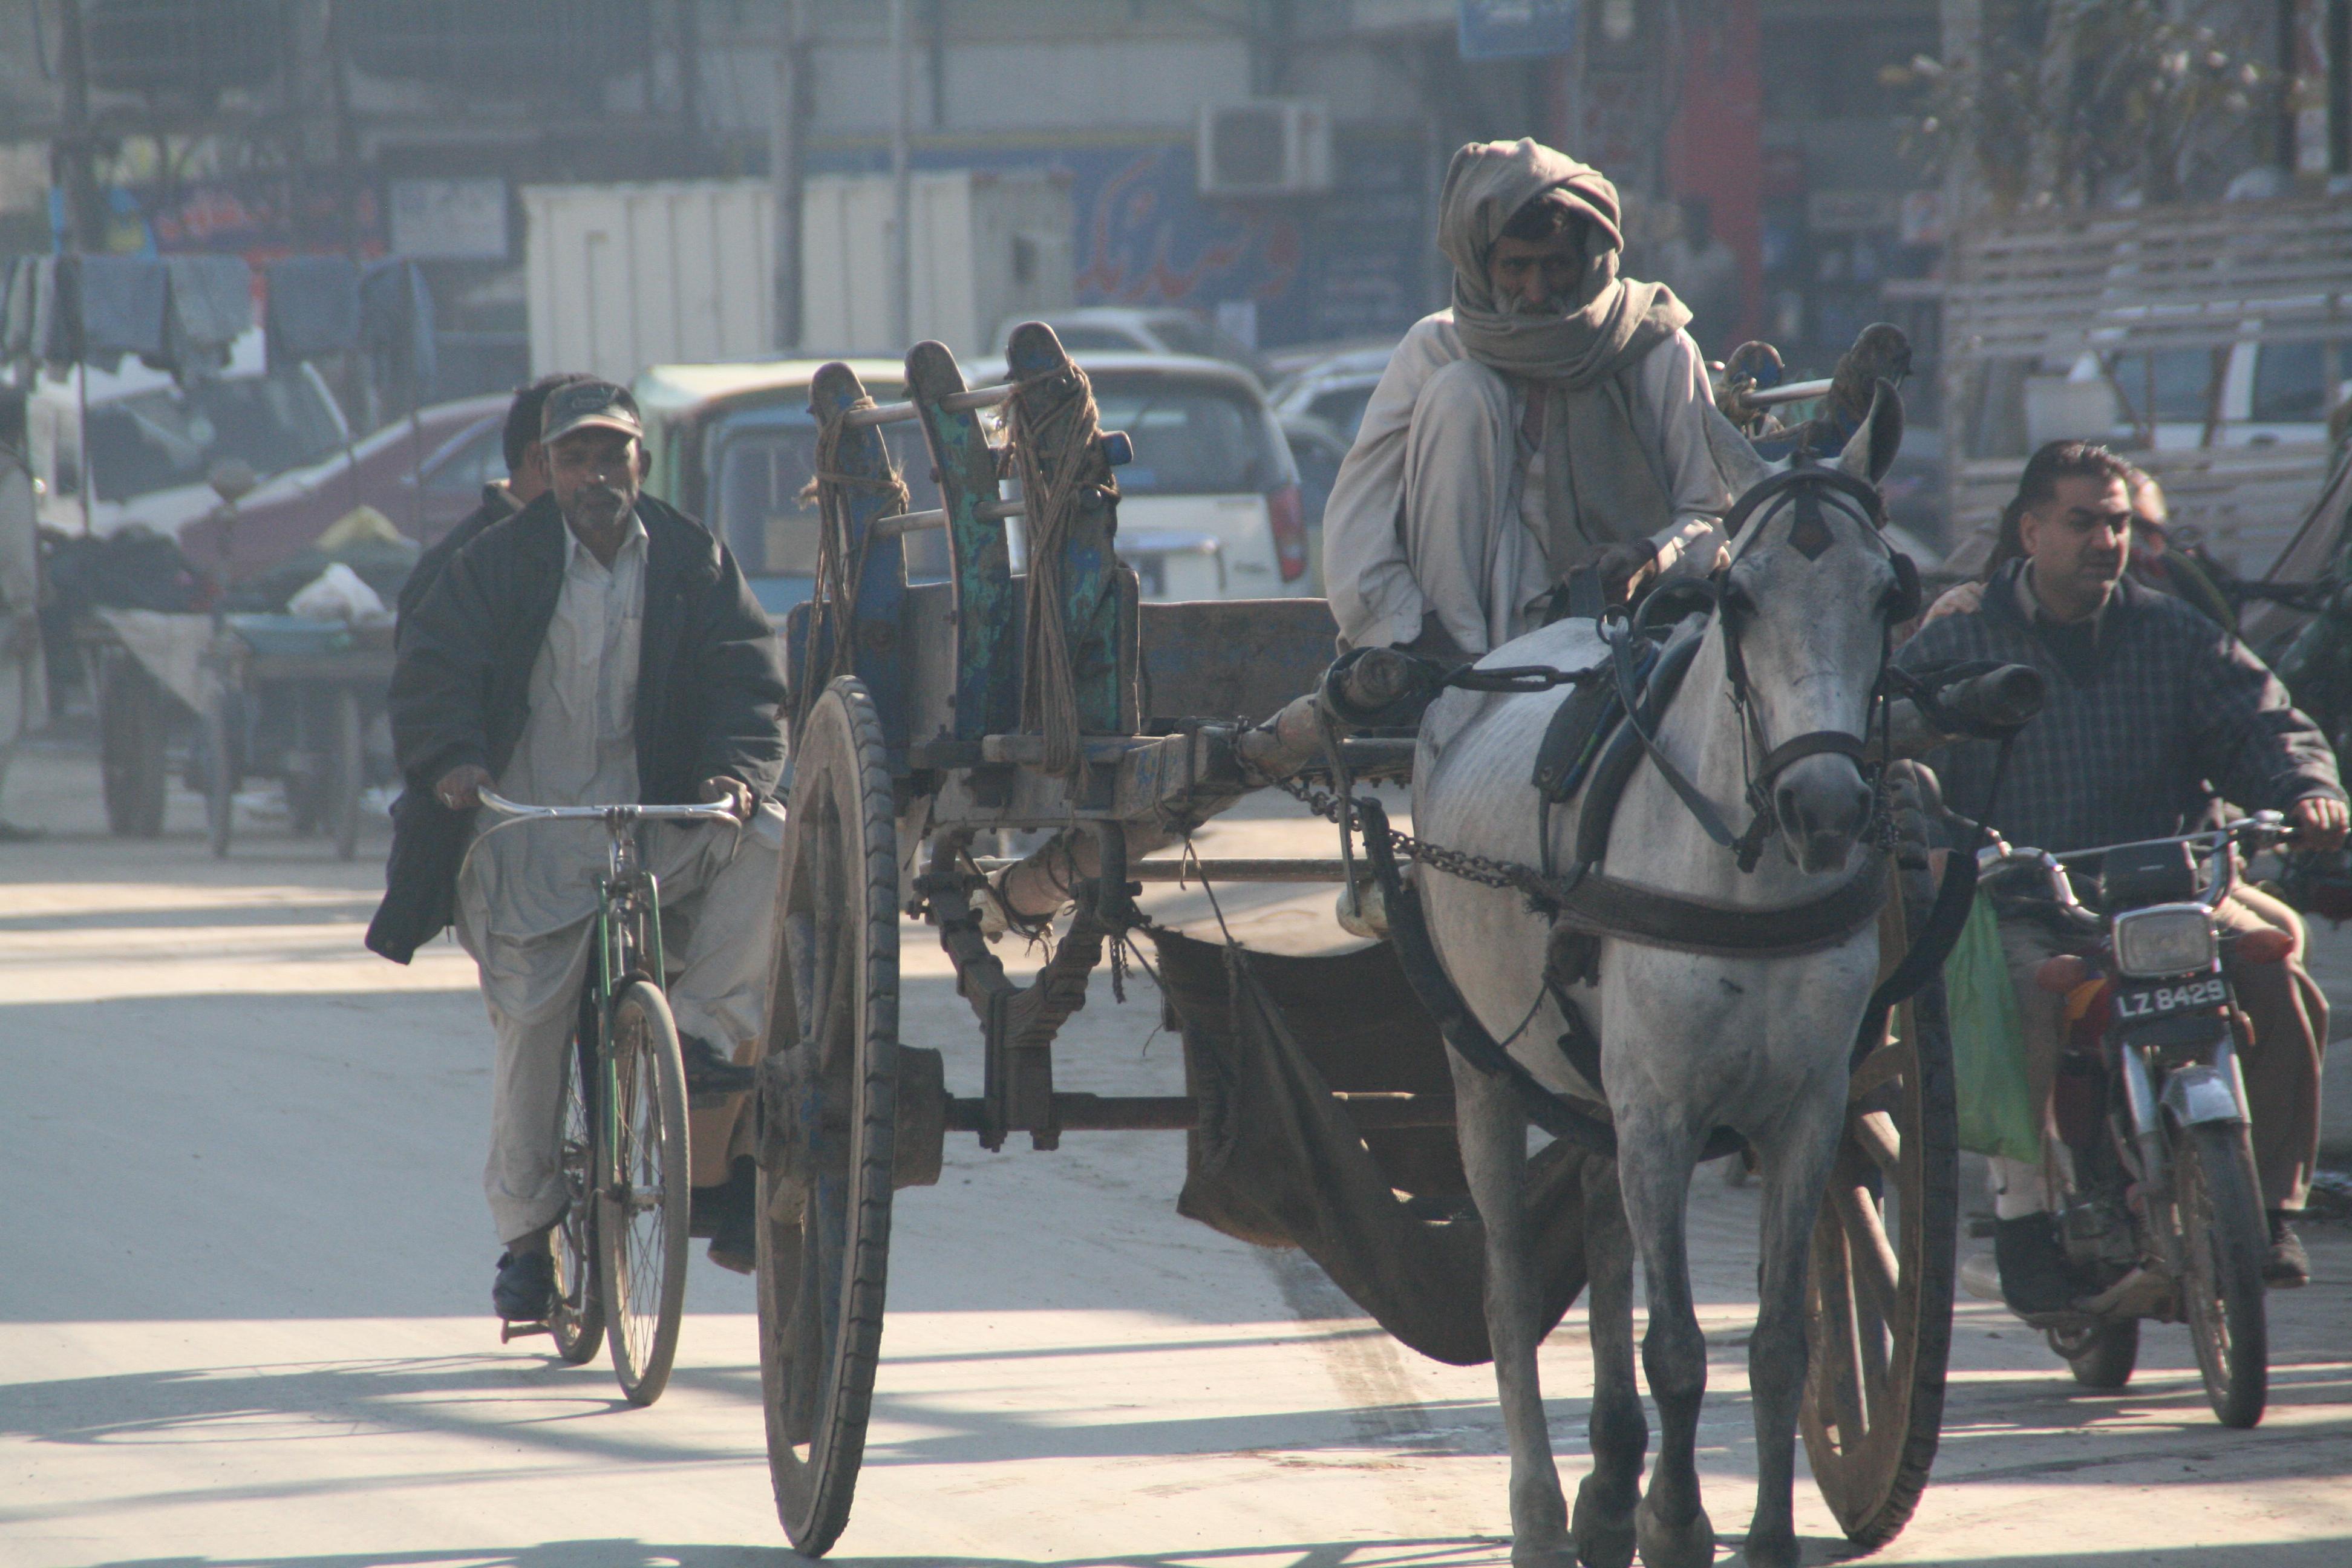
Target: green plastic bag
x,y
1995,1102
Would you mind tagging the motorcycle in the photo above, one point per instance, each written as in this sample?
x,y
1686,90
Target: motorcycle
x,y
2150,1166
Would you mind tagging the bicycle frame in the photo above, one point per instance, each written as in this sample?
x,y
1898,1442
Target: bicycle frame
x,y
628,947
628,935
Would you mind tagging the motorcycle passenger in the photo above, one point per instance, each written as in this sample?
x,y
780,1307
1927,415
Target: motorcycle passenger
x,y
2153,710
597,646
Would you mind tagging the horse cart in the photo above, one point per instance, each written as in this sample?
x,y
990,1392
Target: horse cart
x,y
1321,1112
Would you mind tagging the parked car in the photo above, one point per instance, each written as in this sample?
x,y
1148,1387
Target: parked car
x,y
2248,393
153,445
1333,387
735,445
1134,328
1210,506
423,474
1212,479
1316,451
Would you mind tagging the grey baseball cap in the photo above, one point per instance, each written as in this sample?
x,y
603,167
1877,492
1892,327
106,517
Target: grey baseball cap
x,y
589,405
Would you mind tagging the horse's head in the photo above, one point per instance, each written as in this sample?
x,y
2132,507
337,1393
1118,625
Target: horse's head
x,y
1810,592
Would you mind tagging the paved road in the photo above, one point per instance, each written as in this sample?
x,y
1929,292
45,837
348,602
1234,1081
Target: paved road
x,y
243,1319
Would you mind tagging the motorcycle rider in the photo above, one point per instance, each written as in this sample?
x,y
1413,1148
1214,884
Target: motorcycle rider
x,y
2152,711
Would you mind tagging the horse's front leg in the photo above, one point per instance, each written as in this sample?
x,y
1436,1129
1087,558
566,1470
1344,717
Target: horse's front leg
x,y
1796,1167
1654,1168
1618,1435
1493,1134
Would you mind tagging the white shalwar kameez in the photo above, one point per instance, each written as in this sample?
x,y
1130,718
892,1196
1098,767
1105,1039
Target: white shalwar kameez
x,y
527,897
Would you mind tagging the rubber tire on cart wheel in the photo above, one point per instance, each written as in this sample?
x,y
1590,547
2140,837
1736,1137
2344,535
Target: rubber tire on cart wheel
x,y
132,716
2102,1355
641,1218
346,775
2224,1241
824,1232
1874,1401
577,1321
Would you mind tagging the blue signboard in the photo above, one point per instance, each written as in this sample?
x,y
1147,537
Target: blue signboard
x,y
1516,29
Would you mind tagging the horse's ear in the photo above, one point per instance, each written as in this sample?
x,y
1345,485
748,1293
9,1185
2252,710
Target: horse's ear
x,y
1735,459
1872,451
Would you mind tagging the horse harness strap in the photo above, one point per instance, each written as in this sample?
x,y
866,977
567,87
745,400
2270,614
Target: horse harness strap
x,y
1603,905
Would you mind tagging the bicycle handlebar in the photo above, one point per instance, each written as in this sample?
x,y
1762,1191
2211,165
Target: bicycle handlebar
x,y
716,811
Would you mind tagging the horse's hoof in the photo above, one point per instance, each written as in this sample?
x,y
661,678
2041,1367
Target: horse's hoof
x,y
1772,1549
1690,1544
1554,1554
1604,1534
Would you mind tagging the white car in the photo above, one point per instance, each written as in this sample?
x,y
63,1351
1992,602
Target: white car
x,y
1137,329
153,445
1333,387
2250,393
1210,506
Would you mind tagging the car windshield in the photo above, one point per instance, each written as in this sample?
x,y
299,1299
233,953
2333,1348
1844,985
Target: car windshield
x,y
2298,381
2172,384
173,436
1193,437
1342,408
1099,340
761,472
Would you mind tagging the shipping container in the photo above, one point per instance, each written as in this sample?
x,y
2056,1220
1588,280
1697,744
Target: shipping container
x,y
625,276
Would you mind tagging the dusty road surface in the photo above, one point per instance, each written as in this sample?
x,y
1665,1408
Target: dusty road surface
x,y
245,1263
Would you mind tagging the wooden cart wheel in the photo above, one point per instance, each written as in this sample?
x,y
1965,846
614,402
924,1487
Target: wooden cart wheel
x,y
225,753
823,1237
1879,1299
133,714
346,774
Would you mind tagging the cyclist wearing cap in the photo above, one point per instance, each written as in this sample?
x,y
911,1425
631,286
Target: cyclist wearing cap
x,y
598,646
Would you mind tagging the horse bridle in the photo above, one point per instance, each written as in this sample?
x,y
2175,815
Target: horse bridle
x,y
1800,486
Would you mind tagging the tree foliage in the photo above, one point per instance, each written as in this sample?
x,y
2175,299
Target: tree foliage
x,y
2083,102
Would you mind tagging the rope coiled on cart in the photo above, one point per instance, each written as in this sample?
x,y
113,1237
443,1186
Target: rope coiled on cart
x,y
838,571
1061,467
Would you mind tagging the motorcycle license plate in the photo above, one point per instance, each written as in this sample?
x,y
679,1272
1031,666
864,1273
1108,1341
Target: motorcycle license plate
x,y
2136,1002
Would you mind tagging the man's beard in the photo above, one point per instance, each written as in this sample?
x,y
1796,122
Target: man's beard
x,y
597,507
1553,305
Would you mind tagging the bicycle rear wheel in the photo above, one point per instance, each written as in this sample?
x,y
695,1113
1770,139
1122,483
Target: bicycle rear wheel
x,y
577,1320
641,1218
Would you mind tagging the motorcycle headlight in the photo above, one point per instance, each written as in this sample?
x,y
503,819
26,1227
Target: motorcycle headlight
x,y
2171,939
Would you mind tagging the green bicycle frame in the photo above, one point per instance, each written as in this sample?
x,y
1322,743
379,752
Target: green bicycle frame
x,y
628,934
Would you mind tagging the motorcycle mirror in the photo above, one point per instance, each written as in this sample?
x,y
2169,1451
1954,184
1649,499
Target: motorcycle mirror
x,y
2268,945
2061,973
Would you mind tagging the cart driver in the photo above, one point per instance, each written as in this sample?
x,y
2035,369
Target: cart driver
x,y
597,646
1553,419
2152,710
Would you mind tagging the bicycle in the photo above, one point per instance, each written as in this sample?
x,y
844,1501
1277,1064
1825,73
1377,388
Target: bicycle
x,y
620,1252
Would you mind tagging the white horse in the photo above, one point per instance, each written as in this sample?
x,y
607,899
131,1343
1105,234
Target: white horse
x,y
1688,1041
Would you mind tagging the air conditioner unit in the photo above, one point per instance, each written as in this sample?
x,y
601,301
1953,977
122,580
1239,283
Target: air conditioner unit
x,y
1265,147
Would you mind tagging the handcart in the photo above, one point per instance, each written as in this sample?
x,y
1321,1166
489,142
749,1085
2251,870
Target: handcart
x,y
291,699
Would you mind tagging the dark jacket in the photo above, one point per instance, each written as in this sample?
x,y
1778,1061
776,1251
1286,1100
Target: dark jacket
x,y
710,689
2143,727
498,505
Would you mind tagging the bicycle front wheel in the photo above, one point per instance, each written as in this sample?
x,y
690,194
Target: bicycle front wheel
x,y
641,1214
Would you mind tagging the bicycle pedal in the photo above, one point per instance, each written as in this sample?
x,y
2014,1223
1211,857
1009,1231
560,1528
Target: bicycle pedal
x,y
512,1331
